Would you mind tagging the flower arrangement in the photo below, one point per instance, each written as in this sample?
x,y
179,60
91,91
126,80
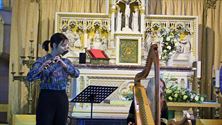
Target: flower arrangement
x,y
177,94
170,38
127,95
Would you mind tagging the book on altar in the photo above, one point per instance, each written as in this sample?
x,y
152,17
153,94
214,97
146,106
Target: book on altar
x,y
97,56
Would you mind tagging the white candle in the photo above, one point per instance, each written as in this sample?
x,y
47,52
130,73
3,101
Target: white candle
x,y
198,69
23,52
85,39
32,35
217,84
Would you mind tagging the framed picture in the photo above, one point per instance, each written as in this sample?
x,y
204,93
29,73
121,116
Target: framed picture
x,y
128,50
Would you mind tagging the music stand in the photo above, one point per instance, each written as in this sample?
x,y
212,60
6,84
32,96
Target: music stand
x,y
94,94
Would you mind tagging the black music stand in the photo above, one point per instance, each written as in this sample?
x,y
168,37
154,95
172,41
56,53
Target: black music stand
x,y
94,94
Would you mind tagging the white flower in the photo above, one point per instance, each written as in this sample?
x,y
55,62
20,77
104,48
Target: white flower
x,y
201,99
176,43
175,95
175,40
169,47
185,97
196,98
168,38
161,39
168,91
170,98
164,51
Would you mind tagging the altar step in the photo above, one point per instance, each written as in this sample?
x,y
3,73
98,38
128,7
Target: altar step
x,y
97,121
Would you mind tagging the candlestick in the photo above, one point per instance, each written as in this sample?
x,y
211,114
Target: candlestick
x,y
217,75
32,52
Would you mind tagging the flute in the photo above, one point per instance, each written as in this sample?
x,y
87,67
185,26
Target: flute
x,y
54,60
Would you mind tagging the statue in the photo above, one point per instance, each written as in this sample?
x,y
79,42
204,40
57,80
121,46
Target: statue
x,y
74,39
104,43
119,21
184,46
135,21
147,44
127,15
152,38
97,40
89,43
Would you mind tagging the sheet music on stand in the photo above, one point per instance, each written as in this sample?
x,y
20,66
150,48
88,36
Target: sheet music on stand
x,y
94,94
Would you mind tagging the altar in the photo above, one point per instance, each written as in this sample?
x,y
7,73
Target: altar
x,y
117,104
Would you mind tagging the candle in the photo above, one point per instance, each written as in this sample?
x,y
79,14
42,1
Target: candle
x,y
13,67
32,35
217,75
20,68
23,52
198,69
85,39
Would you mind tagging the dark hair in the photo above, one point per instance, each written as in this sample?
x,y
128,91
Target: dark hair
x,y
56,38
164,84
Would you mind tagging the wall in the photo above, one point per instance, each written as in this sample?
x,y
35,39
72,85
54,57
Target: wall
x,y
4,63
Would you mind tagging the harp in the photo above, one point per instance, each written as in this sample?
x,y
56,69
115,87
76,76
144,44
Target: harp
x,y
143,108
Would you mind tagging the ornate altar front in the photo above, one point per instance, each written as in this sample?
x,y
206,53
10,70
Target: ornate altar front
x,y
117,104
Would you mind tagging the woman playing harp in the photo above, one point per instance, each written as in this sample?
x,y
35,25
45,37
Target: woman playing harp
x,y
149,106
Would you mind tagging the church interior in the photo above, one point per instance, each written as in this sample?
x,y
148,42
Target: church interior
x,y
124,51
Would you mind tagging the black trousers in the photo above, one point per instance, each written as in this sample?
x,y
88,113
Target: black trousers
x,y
52,108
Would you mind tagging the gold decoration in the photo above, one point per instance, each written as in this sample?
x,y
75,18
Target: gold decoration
x,y
211,4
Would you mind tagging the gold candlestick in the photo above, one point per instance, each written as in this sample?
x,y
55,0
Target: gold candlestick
x,y
28,62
